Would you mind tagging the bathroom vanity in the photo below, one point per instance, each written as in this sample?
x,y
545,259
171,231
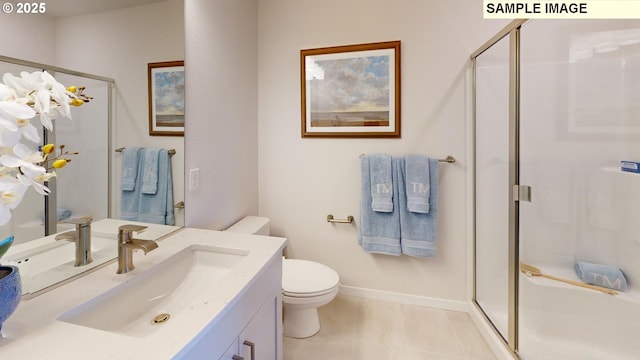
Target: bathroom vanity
x,y
201,294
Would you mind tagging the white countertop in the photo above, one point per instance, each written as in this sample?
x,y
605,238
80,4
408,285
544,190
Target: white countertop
x,y
33,332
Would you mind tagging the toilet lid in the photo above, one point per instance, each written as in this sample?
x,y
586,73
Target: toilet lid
x,y
304,276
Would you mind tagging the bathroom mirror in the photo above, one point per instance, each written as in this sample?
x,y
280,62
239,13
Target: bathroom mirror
x,y
90,184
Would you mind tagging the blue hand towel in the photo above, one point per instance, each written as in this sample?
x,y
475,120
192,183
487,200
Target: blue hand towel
x,y
158,208
602,275
150,171
379,231
129,168
417,183
381,183
419,230
130,200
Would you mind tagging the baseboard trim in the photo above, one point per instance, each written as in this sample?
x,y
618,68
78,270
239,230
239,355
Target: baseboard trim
x,y
461,306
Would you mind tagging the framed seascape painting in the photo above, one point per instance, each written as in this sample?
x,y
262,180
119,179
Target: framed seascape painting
x,y
166,98
351,91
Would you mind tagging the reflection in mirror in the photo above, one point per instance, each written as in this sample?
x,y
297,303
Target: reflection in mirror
x,y
27,220
82,187
90,184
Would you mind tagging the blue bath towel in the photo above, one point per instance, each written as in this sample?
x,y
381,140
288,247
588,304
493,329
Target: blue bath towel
x,y
129,173
158,208
150,171
418,230
381,182
602,275
417,183
379,231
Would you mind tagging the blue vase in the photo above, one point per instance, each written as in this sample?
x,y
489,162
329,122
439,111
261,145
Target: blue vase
x,y
10,291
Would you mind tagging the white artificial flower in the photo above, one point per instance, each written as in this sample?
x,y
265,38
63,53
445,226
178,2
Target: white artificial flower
x,y
28,131
11,194
59,94
21,99
24,157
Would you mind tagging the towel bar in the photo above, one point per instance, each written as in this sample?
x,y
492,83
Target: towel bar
x,y
348,220
171,152
449,159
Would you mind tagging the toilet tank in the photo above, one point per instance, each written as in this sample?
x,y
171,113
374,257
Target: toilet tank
x,y
255,225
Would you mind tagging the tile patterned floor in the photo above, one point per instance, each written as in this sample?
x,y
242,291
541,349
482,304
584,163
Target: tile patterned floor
x,y
356,328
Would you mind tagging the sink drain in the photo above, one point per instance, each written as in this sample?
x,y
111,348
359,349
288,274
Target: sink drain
x,y
160,318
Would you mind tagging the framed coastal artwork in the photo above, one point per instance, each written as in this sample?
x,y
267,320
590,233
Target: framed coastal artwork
x,y
351,91
166,98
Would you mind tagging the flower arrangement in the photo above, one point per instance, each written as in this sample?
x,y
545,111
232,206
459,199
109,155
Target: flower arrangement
x,y
24,164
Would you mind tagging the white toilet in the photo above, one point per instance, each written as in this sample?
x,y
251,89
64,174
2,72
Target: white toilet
x,y
306,285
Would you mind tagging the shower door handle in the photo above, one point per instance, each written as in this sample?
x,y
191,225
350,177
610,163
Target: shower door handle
x,y
521,193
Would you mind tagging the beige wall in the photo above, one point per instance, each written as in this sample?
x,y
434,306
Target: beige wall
x,y
303,180
222,110
28,37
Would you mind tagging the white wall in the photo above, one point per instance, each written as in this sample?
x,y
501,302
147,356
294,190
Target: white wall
x,y
303,180
221,101
119,44
28,36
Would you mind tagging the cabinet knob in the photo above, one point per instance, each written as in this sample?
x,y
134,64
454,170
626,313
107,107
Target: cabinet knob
x,y
252,346
236,357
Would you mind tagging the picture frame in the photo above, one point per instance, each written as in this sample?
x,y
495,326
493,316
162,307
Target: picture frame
x,y
166,98
351,91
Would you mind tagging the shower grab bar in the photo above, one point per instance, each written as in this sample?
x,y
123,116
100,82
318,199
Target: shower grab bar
x,y
171,152
449,159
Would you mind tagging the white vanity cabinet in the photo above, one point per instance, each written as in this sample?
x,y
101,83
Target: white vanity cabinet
x,y
251,321
258,340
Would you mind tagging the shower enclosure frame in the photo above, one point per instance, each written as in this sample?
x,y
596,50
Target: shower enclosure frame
x,y
517,193
50,207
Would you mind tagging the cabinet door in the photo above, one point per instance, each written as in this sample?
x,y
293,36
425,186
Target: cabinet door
x,y
231,351
260,335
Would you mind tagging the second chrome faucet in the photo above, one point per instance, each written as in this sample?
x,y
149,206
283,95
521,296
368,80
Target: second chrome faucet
x,y
126,245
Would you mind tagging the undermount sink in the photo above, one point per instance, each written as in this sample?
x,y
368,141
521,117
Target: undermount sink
x,y
143,304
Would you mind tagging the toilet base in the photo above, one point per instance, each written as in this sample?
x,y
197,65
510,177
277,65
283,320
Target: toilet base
x,y
301,323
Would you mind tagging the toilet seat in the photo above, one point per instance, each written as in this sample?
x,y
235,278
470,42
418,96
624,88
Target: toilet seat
x,y
304,278
308,295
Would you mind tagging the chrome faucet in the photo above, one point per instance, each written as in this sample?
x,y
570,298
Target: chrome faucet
x,y
81,236
126,244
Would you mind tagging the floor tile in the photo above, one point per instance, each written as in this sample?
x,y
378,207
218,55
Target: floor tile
x,y
368,329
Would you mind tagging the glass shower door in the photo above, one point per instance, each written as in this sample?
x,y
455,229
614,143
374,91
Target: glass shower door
x,y
492,187
580,116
